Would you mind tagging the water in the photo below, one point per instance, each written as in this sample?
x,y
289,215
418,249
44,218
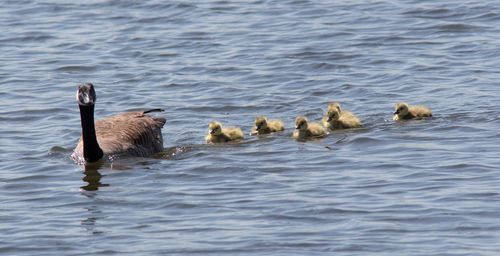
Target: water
x,y
428,187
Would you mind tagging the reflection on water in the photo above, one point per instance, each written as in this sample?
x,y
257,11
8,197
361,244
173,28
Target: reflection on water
x,y
90,223
173,152
93,177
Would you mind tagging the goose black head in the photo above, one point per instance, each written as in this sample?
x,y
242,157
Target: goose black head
x,y
86,95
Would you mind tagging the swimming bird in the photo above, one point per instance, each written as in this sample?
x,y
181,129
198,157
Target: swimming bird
x,y
263,126
336,118
218,134
334,105
304,130
132,133
403,111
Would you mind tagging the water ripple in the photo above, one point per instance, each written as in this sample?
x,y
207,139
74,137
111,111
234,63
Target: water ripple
x,y
410,188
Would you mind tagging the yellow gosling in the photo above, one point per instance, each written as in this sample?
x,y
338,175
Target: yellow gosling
x,y
304,130
334,105
404,112
264,126
218,134
336,118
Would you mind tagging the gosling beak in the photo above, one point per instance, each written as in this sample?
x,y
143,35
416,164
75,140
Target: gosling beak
x,y
258,127
297,126
211,131
329,119
396,112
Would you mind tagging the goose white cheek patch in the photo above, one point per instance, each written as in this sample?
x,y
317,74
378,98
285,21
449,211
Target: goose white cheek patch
x,y
83,98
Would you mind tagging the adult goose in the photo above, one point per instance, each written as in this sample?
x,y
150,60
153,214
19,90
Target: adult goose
x,y
130,133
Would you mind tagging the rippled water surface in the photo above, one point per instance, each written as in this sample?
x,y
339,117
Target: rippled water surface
x,y
424,187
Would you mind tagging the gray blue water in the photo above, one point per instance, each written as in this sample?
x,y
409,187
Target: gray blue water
x,y
425,187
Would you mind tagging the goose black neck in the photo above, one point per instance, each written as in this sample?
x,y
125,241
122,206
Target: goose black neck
x,y
91,150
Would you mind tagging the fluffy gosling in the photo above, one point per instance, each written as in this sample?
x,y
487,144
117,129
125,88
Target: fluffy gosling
x,y
336,118
404,112
218,134
264,126
334,105
303,130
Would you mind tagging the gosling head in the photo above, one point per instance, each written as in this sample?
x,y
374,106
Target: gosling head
x,y
86,95
335,105
301,123
401,109
333,114
215,128
260,123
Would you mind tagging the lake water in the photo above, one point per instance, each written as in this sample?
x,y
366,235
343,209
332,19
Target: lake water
x,y
425,187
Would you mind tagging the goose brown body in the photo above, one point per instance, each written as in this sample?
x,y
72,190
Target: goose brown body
x,y
131,133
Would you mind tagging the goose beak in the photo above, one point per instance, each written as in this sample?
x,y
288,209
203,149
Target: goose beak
x,y
211,131
258,127
396,112
297,126
329,119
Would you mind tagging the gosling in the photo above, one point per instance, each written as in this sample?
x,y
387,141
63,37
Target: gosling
x,y
303,130
334,105
336,118
264,126
218,134
404,112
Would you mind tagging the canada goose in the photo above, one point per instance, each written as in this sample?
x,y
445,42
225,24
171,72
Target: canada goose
x,y
336,118
403,111
304,130
218,134
133,133
263,126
